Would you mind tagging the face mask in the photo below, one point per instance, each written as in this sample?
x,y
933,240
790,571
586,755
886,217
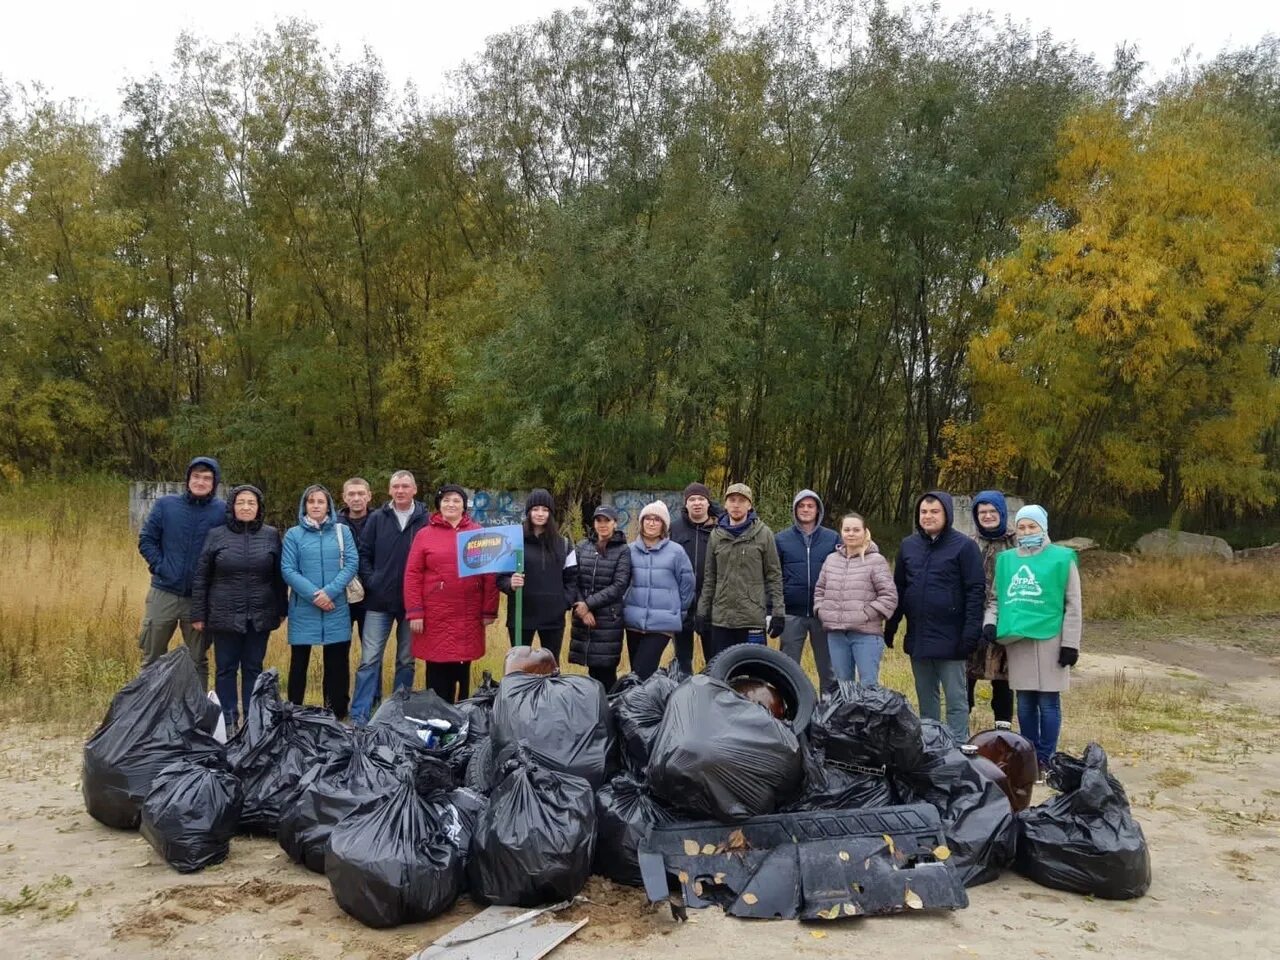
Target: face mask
x,y
1031,540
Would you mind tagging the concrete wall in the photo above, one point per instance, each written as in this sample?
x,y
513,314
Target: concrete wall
x,y
144,493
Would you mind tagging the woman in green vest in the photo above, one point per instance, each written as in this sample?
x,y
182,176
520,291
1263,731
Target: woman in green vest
x,y
1035,607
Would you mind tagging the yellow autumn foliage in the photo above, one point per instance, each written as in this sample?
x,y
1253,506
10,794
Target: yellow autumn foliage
x,y
1134,326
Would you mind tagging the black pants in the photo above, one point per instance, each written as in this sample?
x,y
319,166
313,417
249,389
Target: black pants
x,y
551,638
684,650
645,650
606,675
451,681
721,639
357,618
1001,698
337,675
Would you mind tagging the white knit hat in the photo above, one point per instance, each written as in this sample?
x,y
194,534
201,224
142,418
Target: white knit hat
x,y
657,509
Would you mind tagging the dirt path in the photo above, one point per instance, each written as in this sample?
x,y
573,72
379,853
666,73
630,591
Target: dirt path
x,y
1209,803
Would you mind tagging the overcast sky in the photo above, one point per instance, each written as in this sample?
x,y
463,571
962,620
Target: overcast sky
x,y
88,50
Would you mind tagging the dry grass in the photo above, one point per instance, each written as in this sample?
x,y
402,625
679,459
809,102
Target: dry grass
x,y
1193,589
70,612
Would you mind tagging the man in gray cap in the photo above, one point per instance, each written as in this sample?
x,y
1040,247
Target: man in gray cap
x,y
742,578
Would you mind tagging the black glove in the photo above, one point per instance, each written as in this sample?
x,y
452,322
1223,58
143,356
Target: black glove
x,y
702,623
988,634
888,638
1067,656
776,623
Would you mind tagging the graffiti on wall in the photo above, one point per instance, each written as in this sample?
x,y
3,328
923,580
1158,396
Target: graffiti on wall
x,y
495,507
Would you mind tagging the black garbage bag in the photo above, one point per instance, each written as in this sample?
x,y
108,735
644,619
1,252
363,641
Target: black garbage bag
x,y
564,721
406,711
719,755
1085,839
279,743
396,859
867,726
159,717
638,708
477,711
625,810
360,771
192,812
829,786
977,819
534,841
470,805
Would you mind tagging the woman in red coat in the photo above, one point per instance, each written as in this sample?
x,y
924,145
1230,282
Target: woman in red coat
x,y
447,613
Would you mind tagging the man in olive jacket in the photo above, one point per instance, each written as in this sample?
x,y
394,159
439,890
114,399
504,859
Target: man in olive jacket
x,y
742,578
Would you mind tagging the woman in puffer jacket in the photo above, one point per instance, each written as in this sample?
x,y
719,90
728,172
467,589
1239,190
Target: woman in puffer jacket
x,y
854,596
601,578
318,559
661,591
239,596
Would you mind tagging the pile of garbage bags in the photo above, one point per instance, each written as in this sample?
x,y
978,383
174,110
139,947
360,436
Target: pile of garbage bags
x,y
518,794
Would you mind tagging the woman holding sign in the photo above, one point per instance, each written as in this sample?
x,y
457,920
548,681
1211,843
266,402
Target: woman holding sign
x,y
548,575
1034,613
447,613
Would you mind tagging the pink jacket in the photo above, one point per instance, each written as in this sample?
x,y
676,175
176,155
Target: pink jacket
x,y
855,593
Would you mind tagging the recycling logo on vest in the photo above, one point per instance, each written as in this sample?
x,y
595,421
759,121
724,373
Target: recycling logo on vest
x,y
1023,585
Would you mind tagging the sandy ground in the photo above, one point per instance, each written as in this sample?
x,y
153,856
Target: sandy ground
x,y
1209,803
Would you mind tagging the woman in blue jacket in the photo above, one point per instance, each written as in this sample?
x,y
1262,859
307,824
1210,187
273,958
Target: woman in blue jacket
x,y
318,566
661,591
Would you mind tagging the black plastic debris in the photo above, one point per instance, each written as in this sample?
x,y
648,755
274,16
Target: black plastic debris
x,y
977,818
396,859
625,811
534,841
563,720
158,718
279,743
867,726
361,770
719,755
815,865
418,718
192,812
1085,839
638,707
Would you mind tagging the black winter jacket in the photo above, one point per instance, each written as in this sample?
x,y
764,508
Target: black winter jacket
x,y
237,586
601,581
693,537
547,582
384,552
941,591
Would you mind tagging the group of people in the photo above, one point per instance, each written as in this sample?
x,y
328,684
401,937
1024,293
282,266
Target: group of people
x,y
1003,605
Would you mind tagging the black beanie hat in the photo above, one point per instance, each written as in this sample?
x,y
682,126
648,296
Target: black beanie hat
x,y
696,489
539,497
451,488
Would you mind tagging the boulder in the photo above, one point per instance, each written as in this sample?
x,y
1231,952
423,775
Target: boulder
x,y
1269,554
1078,544
1177,543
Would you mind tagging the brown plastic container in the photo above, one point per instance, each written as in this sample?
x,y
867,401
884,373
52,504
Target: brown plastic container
x,y
1013,754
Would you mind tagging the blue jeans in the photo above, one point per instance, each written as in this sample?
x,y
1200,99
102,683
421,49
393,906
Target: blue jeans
x,y
850,650
377,628
949,675
1040,721
236,653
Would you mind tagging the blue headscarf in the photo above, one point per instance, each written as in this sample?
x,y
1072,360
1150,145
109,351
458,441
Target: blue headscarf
x,y
996,499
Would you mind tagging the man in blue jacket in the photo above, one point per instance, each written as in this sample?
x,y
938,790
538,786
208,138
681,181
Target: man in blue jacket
x,y
171,540
941,592
802,548
384,550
